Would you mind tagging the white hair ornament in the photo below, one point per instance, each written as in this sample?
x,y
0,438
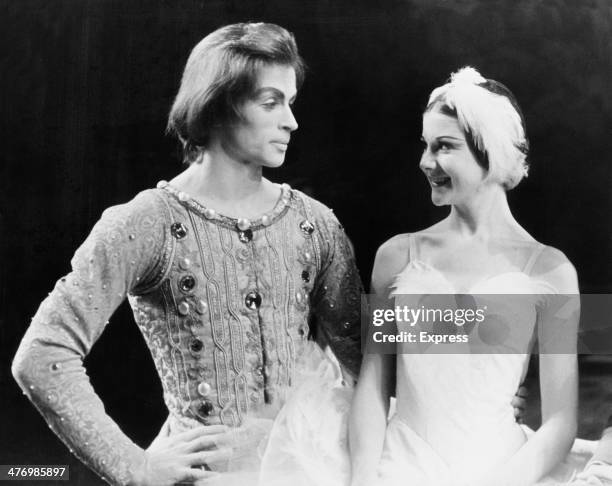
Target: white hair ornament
x,y
467,75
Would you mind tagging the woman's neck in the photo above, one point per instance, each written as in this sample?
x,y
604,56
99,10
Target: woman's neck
x,y
485,215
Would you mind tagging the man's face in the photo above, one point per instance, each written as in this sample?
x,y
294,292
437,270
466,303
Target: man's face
x,y
262,136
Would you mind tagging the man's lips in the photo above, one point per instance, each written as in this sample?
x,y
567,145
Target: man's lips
x,y
280,144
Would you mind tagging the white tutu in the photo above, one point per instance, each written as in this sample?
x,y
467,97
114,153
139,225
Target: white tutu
x,y
307,443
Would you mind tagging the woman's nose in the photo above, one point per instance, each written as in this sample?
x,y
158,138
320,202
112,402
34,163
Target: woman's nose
x,y
428,161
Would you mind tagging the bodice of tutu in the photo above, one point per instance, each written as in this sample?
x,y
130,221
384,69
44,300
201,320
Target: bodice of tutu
x,y
457,397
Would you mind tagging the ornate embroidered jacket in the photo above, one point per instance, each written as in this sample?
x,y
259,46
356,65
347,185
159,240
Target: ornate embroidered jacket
x,y
224,305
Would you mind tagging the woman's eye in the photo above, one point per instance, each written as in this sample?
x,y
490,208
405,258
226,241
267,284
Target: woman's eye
x,y
443,147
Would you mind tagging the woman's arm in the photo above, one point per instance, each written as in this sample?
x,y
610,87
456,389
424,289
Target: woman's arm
x,y
370,408
368,417
557,334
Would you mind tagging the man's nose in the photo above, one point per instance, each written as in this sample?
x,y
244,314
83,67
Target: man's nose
x,y
289,122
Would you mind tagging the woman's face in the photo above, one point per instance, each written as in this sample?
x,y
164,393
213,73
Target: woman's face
x,y
447,161
262,136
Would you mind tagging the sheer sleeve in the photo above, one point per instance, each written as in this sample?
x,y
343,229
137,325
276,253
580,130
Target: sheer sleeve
x,y
125,252
336,296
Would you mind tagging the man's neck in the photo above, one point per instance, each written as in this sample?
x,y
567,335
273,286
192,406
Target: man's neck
x,y
231,187
217,175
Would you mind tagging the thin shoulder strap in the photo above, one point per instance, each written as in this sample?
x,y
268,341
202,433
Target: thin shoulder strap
x,y
412,247
533,258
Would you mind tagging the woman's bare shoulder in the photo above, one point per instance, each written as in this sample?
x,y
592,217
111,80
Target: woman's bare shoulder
x,y
392,256
394,246
556,269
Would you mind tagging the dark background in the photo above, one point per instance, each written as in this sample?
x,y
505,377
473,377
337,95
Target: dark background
x,y
86,87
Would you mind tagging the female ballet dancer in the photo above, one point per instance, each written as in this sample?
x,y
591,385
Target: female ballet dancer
x,y
453,423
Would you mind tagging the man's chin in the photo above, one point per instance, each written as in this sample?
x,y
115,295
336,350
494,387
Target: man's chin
x,y
273,164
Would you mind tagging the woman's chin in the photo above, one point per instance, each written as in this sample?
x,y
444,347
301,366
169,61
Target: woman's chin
x,y
439,199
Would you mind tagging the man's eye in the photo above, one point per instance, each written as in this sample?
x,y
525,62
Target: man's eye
x,y
270,104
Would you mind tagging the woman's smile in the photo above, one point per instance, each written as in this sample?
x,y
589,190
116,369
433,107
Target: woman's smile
x,y
439,180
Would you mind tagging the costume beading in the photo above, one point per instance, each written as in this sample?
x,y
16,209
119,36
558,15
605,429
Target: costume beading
x,y
225,307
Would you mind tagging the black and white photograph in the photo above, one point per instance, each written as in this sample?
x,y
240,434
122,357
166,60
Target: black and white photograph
x,y
306,243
